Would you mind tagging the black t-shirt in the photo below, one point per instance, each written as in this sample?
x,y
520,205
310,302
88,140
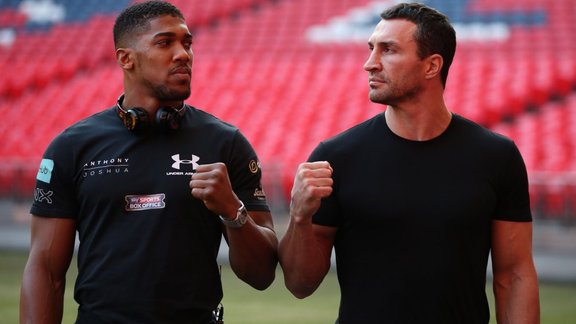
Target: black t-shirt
x,y
414,219
148,249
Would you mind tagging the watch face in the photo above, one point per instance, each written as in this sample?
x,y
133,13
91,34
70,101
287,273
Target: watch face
x,y
242,215
241,218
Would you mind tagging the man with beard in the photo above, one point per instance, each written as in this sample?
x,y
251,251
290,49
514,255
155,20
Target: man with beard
x,y
150,185
415,199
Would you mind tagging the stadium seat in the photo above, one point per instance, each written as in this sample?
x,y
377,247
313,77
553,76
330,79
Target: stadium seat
x,y
255,68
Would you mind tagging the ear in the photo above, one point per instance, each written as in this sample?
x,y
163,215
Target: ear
x,y
124,58
434,65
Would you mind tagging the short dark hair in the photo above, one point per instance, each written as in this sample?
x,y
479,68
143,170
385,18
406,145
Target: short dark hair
x,y
434,33
136,18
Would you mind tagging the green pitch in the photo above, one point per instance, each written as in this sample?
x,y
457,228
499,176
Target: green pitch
x,y
244,305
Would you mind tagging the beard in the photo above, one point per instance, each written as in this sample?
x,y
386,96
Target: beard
x,y
393,95
165,93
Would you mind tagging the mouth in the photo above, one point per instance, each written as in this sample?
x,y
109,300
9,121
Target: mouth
x,y
182,70
375,81
373,78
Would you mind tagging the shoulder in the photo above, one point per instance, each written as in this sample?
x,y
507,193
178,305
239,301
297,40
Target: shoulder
x,y
199,119
487,146
477,134
352,141
207,126
94,125
359,132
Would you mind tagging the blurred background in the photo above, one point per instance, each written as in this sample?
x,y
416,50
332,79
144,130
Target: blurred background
x,y
289,73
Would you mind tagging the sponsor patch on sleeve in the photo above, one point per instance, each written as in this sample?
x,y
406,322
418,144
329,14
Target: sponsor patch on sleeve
x,y
254,166
259,194
45,170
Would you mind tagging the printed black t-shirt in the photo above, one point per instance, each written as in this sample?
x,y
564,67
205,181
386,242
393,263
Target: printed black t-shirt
x,y
148,249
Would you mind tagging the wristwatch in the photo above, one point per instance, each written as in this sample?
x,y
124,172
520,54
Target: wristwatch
x,y
240,220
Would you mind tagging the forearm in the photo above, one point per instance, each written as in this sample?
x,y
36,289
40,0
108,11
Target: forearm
x,y
253,254
41,298
303,262
517,299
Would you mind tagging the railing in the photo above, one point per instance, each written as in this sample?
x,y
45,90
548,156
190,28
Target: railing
x,y
553,196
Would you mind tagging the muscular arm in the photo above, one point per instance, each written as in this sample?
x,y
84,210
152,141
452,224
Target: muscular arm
x,y
253,250
44,278
515,279
306,248
254,246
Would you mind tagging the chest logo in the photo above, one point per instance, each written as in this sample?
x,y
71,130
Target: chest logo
x,y
178,161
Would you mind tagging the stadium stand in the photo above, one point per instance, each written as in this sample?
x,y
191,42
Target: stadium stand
x,y
289,73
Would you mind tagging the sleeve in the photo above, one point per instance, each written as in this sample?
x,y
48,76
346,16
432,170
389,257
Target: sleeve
x,y
329,212
513,195
246,174
54,192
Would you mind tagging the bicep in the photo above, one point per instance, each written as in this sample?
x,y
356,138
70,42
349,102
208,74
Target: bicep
x,y
52,243
511,245
325,236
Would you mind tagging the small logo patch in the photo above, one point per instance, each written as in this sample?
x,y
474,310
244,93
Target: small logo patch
x,y
259,194
43,196
253,166
45,170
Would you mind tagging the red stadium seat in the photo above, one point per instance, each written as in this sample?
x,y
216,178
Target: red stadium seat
x,y
255,68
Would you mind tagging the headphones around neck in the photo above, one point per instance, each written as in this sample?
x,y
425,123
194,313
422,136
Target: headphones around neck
x,y
136,119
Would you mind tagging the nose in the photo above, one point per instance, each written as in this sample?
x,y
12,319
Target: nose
x,y
184,53
372,63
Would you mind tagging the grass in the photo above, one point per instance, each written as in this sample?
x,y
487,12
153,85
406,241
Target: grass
x,y
244,305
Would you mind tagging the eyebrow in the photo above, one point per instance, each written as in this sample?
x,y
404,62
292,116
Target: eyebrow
x,y
384,43
171,34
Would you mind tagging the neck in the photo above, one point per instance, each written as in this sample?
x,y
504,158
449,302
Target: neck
x,y
418,123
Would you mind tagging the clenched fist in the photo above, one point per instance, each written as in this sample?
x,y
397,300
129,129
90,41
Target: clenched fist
x,y
313,181
211,184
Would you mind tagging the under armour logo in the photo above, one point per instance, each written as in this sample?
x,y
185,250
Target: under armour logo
x,y
43,196
178,161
